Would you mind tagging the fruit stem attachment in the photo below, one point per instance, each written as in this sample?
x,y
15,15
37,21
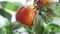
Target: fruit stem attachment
x,y
35,9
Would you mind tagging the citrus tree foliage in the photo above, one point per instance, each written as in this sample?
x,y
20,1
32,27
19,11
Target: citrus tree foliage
x,y
46,13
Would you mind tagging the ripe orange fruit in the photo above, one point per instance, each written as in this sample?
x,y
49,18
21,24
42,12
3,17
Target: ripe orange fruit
x,y
51,1
45,1
25,15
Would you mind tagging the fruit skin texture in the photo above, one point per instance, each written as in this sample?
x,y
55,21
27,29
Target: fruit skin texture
x,y
25,15
45,1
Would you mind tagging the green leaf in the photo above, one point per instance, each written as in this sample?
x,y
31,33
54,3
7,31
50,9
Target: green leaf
x,y
3,3
52,32
4,30
8,23
35,0
10,5
5,14
38,27
53,27
1,32
46,31
29,30
58,10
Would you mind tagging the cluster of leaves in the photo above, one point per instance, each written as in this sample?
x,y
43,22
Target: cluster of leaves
x,y
48,12
39,26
